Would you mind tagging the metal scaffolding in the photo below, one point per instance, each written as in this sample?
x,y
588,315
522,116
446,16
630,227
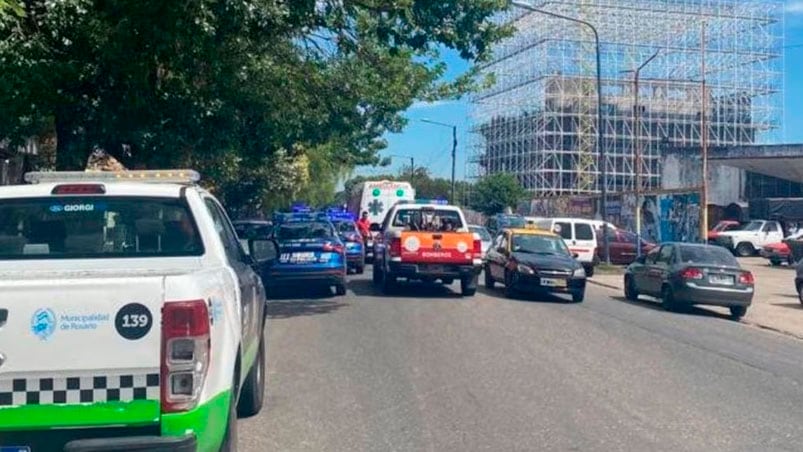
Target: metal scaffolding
x,y
538,120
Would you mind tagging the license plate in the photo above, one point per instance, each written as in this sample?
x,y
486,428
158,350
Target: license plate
x,y
722,280
551,282
435,269
15,449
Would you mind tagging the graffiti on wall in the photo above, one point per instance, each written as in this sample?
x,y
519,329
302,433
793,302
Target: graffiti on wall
x,y
664,217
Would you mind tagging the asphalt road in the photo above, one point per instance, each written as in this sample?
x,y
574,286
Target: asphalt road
x,y
426,370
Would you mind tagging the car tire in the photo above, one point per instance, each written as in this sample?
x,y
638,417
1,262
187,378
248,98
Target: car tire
x,y
230,437
253,393
388,282
630,289
489,279
589,271
377,275
668,299
775,262
737,312
340,290
790,260
468,286
578,297
745,249
509,290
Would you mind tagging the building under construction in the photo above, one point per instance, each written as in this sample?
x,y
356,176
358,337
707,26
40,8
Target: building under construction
x,y
539,119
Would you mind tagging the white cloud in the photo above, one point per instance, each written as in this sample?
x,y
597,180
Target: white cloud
x,y
423,105
795,7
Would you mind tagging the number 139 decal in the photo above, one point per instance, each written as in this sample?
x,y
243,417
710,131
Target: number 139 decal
x,y
133,321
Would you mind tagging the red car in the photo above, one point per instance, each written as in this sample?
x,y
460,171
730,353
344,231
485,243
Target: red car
x,y
723,226
778,253
623,246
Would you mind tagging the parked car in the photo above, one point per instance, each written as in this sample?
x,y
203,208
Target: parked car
x,y
485,236
536,261
723,226
754,236
502,221
580,236
685,274
623,246
780,252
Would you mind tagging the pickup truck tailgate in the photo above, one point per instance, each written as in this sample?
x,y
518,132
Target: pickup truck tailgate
x,y
91,342
437,247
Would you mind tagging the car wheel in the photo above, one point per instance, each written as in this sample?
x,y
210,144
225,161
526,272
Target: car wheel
x,y
737,312
489,279
745,249
630,289
468,286
388,282
377,275
509,290
253,393
589,271
230,438
340,290
790,260
668,299
578,297
775,262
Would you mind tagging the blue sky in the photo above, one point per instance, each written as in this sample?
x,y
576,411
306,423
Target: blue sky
x,y
430,145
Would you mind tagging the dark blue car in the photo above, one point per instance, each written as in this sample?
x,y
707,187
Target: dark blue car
x,y
311,253
355,246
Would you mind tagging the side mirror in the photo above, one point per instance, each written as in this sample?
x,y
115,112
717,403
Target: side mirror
x,y
263,251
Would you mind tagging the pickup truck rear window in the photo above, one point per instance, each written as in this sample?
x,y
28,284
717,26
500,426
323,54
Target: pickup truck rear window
x,y
97,227
427,219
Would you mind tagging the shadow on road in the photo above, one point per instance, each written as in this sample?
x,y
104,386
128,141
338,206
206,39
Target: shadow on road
x,y
688,310
285,309
795,306
526,297
404,289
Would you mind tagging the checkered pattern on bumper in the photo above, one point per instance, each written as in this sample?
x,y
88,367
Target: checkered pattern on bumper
x,y
74,390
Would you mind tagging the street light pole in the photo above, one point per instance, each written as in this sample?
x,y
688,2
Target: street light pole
x,y
600,148
637,146
704,143
454,152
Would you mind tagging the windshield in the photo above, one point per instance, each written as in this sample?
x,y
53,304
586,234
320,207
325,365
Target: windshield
x,y
253,230
97,227
538,244
754,226
485,236
424,219
345,227
305,230
713,255
512,222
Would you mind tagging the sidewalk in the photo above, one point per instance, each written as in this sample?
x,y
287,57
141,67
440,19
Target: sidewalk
x,y
775,303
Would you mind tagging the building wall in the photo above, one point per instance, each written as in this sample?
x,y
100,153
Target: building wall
x,y
726,185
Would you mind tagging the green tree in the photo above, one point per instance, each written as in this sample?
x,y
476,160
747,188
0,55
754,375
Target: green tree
x,y
493,193
232,87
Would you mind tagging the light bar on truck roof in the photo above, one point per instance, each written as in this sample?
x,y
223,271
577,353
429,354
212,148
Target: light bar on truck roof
x,y
177,176
439,202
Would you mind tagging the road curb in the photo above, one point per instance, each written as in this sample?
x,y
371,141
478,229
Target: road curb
x,y
607,286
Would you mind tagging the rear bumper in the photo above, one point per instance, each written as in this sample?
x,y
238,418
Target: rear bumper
x,y
436,271
693,294
322,277
355,259
134,444
774,254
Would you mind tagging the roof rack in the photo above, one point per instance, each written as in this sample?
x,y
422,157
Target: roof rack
x,y
168,176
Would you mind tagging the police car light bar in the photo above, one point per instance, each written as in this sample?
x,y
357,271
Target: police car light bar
x,y
439,202
178,176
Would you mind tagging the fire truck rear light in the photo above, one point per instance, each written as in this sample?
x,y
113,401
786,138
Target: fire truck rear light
x,y
395,247
477,247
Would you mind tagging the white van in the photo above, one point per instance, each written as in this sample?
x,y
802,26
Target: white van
x,y
580,236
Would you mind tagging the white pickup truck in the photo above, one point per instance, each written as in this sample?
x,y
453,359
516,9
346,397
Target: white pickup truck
x,y
131,317
753,237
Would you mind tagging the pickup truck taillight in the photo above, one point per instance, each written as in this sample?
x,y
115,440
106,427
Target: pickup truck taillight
x,y
186,347
477,248
395,247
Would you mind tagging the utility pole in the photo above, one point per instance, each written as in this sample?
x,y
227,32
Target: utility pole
x,y
704,142
600,148
454,152
637,146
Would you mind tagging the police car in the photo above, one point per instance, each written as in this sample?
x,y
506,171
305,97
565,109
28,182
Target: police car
x,y
312,253
346,227
131,318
